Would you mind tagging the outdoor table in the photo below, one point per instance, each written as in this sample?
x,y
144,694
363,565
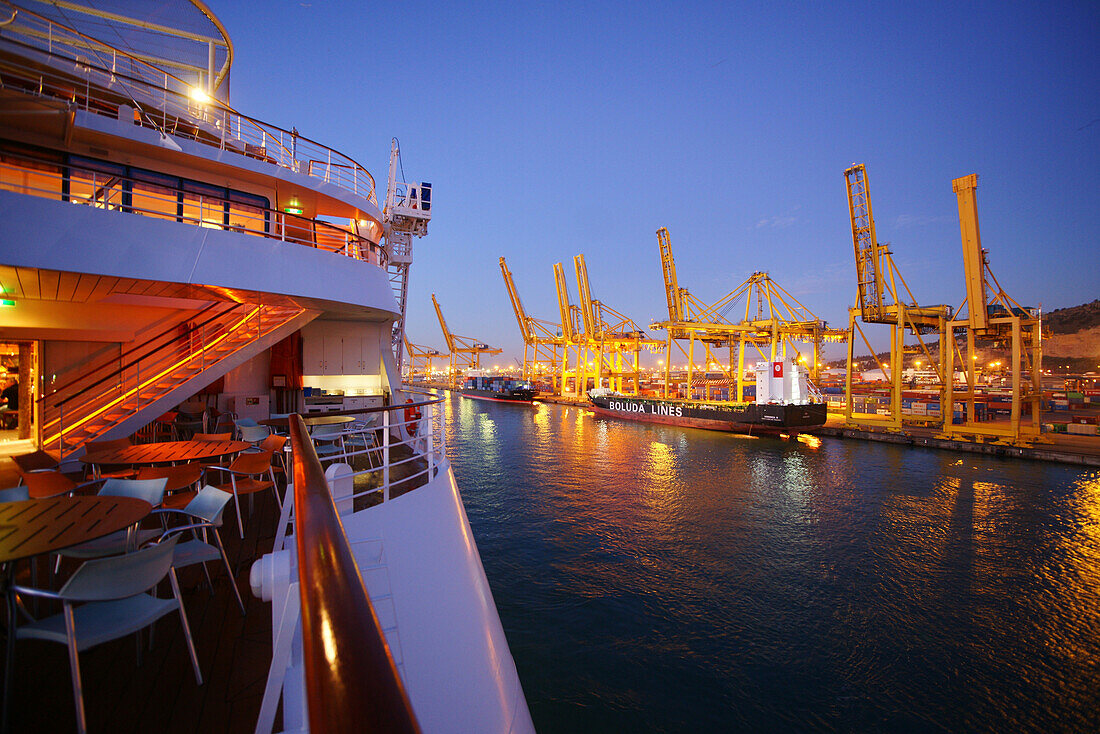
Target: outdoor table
x,y
166,453
313,420
33,527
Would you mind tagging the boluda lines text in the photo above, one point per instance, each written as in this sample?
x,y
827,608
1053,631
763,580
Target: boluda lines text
x,y
656,409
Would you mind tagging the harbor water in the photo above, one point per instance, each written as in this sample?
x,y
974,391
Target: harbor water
x,y
652,578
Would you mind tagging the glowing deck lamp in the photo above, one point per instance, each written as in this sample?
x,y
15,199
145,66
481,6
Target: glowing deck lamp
x,y
293,210
200,96
6,302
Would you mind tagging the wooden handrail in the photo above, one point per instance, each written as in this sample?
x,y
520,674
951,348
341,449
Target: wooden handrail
x,y
351,679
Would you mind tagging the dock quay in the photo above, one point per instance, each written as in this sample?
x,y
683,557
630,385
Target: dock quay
x,y
1062,448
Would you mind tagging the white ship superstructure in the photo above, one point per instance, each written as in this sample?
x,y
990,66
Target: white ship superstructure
x,y
157,244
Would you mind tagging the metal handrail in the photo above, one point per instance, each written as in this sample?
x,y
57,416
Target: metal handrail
x,y
167,104
351,678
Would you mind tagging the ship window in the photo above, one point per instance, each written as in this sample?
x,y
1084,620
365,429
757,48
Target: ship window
x,y
29,177
248,212
99,184
155,195
204,204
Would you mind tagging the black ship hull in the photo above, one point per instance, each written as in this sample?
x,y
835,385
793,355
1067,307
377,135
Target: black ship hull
x,y
738,418
516,395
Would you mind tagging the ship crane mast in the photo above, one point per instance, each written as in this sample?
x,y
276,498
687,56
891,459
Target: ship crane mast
x,y
465,352
541,339
406,212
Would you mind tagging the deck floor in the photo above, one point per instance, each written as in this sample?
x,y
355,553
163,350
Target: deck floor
x,y
160,694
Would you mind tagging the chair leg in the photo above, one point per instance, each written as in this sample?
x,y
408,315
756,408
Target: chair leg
x,y
74,667
186,626
229,570
275,488
237,505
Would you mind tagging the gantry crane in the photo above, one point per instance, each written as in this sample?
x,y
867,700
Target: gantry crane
x,y
419,363
879,302
779,323
543,341
611,344
572,331
1001,321
465,352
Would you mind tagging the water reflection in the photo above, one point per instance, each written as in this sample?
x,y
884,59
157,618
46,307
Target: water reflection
x,y
660,579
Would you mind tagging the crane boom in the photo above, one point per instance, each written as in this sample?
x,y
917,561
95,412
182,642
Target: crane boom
x,y
587,309
447,335
668,268
563,302
868,252
973,257
517,304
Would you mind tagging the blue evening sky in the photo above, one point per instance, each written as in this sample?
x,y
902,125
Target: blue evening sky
x,y
551,129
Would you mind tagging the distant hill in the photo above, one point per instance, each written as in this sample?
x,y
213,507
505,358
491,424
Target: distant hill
x,y
1073,319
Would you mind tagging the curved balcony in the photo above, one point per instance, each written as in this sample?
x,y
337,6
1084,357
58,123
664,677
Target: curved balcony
x,y
53,62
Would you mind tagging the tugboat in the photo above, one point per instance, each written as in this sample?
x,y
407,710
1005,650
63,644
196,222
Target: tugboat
x,y
481,385
785,402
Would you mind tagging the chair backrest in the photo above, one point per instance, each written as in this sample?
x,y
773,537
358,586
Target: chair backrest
x,y
15,494
212,437
245,422
110,444
118,577
273,443
254,433
150,490
34,461
180,474
257,462
208,504
51,483
330,430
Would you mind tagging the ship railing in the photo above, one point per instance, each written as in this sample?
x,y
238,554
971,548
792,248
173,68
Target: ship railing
x,y
93,76
387,452
408,450
47,179
351,680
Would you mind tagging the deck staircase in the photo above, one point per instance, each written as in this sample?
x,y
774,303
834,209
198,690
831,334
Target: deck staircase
x,y
159,369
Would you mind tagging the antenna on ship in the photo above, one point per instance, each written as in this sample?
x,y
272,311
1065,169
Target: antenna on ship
x,y
405,214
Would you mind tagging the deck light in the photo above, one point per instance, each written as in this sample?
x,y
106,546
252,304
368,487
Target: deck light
x,y
200,96
6,302
293,210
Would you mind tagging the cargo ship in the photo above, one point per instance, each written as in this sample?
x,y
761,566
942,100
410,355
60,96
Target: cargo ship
x,y
481,385
785,402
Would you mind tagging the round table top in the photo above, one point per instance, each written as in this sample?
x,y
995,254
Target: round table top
x,y
312,420
33,527
168,452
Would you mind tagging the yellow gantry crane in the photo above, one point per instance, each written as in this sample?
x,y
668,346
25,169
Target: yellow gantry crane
x,y
611,344
465,352
572,332
879,301
543,341
997,322
420,359
779,324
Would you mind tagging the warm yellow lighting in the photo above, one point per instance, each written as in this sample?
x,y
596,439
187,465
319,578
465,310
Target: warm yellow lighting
x,y
200,96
